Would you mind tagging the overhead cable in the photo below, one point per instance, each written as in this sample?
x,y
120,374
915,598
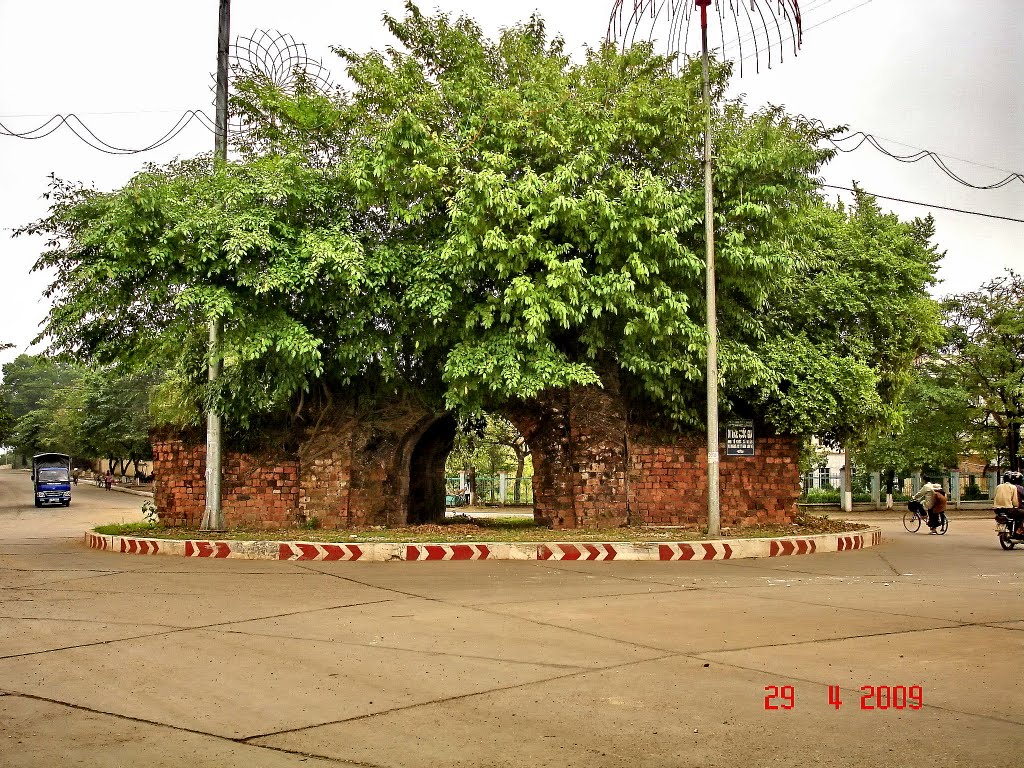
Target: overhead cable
x,y
86,134
860,138
928,205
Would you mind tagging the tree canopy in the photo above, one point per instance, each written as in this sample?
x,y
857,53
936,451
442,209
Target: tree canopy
x,y
86,412
480,220
985,355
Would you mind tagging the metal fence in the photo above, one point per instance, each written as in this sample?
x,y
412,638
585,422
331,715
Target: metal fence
x,y
825,486
501,489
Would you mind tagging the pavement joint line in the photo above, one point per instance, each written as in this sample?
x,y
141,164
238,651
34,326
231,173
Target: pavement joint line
x,y
177,630
4,569
497,603
844,638
184,729
93,621
998,625
458,697
503,615
44,584
379,646
719,588
783,599
884,560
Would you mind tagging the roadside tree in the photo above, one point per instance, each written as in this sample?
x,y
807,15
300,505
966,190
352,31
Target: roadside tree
x,y
986,355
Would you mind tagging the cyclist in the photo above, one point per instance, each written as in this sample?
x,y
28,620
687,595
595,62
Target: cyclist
x,y
938,509
927,498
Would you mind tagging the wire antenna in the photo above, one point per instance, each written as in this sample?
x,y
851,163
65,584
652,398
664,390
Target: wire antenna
x,y
758,29
276,58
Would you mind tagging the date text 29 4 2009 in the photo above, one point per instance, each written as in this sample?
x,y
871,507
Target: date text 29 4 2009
x,y
882,697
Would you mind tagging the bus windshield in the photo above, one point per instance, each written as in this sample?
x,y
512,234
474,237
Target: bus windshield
x,y
53,475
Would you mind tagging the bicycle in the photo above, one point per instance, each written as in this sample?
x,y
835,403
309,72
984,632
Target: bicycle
x,y
916,515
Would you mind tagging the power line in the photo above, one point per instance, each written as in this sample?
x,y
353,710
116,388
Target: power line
x,y
927,205
862,138
89,137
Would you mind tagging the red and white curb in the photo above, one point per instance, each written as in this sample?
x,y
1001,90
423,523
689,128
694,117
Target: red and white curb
x,y
734,549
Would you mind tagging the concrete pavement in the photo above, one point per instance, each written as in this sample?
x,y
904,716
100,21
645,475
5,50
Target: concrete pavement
x,y
108,660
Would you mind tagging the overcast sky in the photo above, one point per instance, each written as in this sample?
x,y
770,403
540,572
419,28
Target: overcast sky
x,y
938,74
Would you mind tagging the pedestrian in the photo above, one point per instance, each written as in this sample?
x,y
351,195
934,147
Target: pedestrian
x,y
74,476
108,479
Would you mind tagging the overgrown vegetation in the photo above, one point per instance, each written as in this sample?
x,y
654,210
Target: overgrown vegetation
x,y
481,220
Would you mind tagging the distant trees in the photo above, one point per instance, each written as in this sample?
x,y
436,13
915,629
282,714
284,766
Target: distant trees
x,y
985,356
54,405
490,445
967,394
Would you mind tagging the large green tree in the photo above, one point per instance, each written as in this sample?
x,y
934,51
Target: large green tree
x,y
485,220
985,354
554,209
933,429
849,321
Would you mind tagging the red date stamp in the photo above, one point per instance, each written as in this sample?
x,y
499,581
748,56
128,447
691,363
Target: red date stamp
x,y
872,697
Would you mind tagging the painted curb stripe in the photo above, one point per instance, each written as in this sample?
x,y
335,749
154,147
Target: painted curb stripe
x,y
447,552
379,552
303,551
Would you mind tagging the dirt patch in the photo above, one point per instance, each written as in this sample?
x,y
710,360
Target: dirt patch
x,y
495,529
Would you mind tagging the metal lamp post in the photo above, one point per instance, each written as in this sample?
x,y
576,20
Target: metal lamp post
x,y
761,25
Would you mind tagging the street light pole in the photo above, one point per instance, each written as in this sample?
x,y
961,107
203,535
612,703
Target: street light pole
x,y
772,24
714,508
213,515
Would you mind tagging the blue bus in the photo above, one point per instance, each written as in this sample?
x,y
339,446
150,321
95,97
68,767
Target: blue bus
x,y
51,478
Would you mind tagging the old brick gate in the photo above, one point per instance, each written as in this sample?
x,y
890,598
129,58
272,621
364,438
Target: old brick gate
x,y
592,468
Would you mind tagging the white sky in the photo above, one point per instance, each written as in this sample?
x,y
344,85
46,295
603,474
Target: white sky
x,y
938,74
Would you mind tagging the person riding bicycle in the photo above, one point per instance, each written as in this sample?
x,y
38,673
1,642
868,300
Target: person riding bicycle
x,y
1006,500
937,511
926,496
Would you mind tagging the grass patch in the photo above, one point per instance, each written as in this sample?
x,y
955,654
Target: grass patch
x,y
129,529
465,529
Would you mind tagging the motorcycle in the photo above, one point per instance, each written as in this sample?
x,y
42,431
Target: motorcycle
x,y
1008,537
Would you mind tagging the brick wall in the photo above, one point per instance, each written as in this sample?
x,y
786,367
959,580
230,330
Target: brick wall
x,y
588,474
591,469
669,483
256,491
350,470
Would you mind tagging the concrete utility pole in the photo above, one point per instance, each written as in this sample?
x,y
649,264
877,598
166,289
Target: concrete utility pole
x,y
714,508
768,21
213,516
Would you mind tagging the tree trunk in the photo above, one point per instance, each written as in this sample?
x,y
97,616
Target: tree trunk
x,y
472,486
520,465
846,503
890,481
1013,446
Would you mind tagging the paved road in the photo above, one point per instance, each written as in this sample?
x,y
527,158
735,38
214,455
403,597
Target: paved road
x,y
116,660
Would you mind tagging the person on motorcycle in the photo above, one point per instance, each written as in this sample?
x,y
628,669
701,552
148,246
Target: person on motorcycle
x,y
1007,500
1018,481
